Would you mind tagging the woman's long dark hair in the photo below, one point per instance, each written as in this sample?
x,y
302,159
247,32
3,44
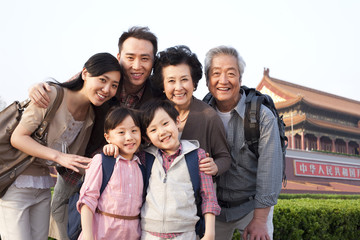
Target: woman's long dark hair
x,y
96,65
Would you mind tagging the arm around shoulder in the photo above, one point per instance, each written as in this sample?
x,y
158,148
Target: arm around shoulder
x,y
39,94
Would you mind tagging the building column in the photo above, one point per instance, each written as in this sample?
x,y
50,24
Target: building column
x,y
333,147
302,141
290,144
318,143
347,146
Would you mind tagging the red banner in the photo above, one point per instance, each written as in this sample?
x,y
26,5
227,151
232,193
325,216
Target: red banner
x,y
326,170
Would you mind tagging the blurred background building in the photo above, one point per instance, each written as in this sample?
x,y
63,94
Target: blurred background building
x,y
324,137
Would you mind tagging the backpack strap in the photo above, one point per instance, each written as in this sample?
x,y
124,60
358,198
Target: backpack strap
x,y
108,164
149,161
207,98
192,162
252,119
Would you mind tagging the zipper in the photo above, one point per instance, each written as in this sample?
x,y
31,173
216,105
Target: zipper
x,y
164,206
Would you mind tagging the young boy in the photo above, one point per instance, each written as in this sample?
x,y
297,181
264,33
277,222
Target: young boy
x,y
169,210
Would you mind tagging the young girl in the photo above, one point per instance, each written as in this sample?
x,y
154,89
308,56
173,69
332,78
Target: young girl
x,y
25,208
122,197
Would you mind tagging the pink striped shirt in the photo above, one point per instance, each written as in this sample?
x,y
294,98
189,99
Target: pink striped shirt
x,y
208,195
122,196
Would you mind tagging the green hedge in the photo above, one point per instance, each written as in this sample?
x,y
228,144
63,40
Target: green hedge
x,y
307,218
317,196
316,217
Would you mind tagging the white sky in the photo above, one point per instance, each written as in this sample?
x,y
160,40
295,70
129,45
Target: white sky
x,y
315,43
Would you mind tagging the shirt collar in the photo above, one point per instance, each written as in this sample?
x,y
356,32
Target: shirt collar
x,y
240,107
135,158
138,94
176,154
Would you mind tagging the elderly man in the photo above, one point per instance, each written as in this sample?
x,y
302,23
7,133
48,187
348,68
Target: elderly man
x,y
248,191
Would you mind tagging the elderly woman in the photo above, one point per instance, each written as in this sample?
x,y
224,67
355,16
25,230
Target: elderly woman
x,y
177,72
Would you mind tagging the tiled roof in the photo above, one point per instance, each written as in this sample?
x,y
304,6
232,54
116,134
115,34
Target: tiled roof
x,y
320,123
294,93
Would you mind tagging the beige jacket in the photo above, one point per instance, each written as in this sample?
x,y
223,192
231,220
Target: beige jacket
x,y
32,118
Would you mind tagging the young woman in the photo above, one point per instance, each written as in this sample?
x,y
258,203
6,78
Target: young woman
x,y
115,214
25,208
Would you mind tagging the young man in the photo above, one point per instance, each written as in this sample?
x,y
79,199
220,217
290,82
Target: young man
x,y
248,191
169,210
137,51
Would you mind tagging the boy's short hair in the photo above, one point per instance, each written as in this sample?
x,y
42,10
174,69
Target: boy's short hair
x,y
148,112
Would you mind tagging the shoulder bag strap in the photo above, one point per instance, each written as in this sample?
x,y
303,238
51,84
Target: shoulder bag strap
x,y
40,133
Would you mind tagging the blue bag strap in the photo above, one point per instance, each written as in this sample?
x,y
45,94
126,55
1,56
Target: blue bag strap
x,y
192,162
149,161
108,163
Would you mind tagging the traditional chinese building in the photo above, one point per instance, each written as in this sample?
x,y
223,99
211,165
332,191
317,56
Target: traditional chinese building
x,y
318,123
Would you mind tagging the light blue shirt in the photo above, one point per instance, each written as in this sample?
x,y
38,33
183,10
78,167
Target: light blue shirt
x,y
248,177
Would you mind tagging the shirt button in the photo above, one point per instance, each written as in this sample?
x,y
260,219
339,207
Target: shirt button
x,y
130,185
129,195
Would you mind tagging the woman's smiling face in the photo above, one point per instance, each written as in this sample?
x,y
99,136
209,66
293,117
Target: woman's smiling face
x,y
178,84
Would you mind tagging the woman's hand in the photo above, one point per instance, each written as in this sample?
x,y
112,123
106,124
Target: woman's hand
x,y
111,150
22,140
72,161
208,166
38,94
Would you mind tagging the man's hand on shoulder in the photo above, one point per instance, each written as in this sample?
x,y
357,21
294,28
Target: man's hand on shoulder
x,y
38,94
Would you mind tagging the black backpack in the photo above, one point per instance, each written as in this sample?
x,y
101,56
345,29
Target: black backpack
x,y
253,101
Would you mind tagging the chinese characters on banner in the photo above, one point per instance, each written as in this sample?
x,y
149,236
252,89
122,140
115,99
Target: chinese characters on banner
x,y
326,170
